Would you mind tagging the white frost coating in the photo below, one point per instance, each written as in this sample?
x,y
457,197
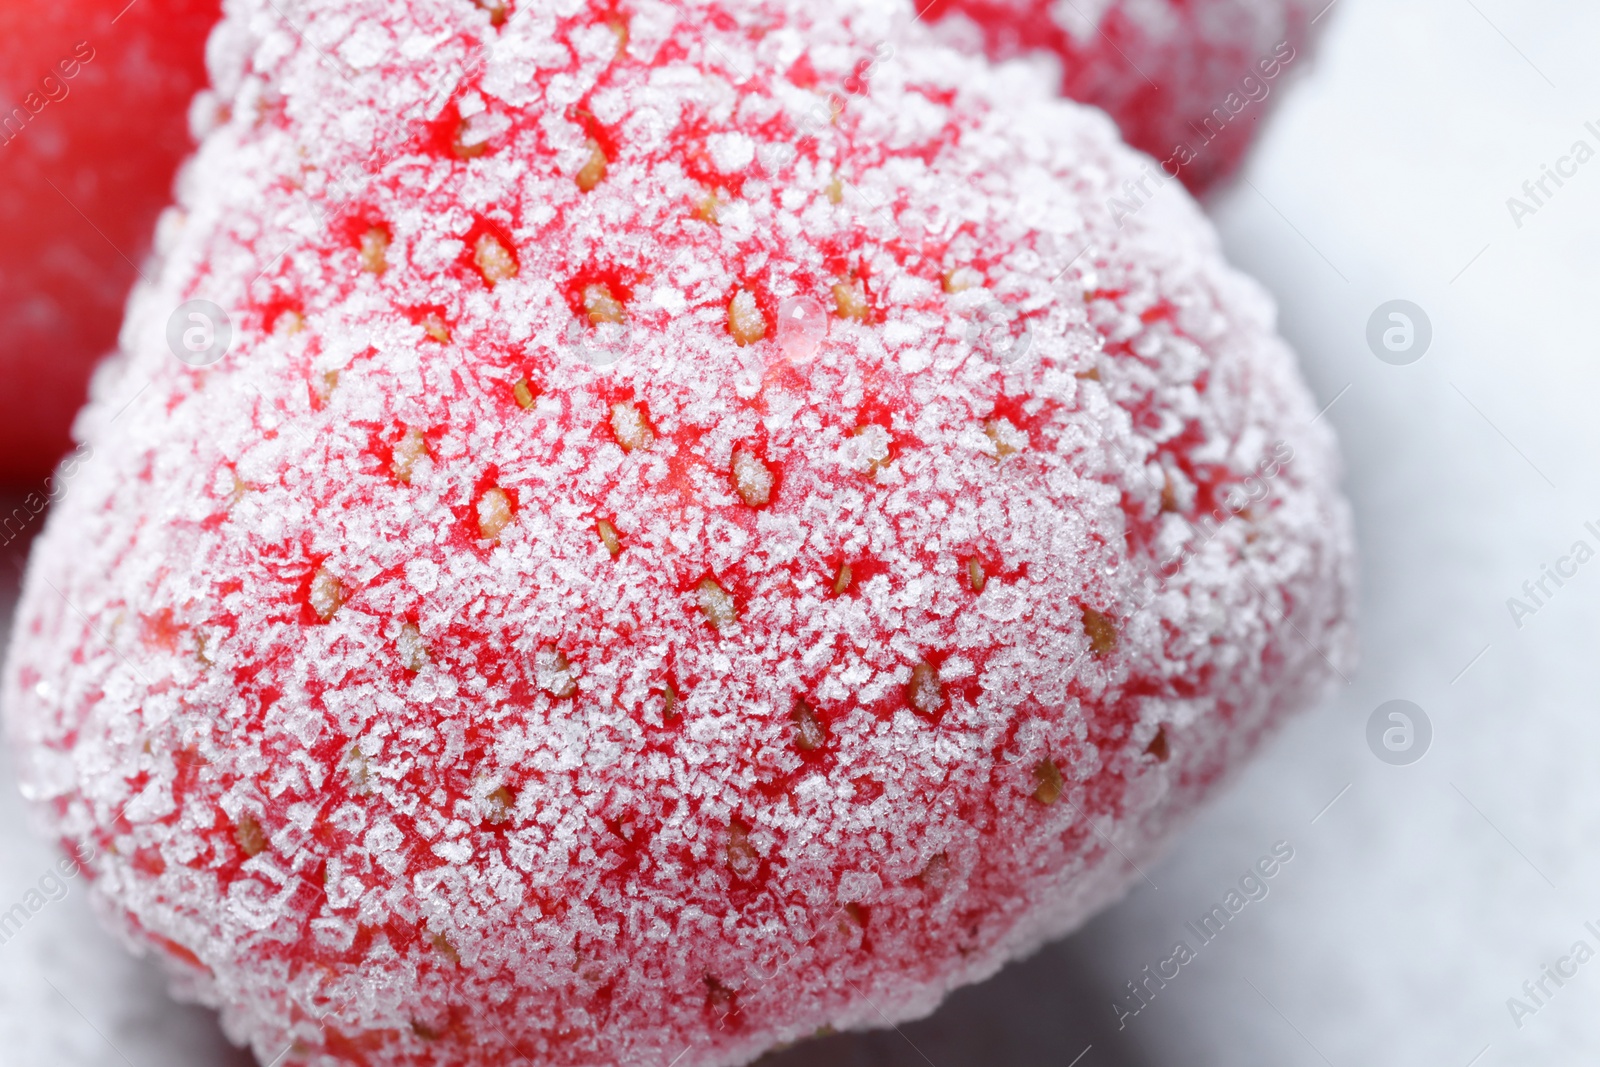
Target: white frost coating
x,y
611,838
731,152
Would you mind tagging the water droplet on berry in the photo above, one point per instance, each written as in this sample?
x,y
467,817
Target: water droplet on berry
x,y
802,327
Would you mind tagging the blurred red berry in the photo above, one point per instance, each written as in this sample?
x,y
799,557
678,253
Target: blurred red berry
x,y
93,122
1186,80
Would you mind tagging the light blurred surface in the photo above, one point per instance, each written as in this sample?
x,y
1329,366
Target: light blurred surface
x,y
1425,895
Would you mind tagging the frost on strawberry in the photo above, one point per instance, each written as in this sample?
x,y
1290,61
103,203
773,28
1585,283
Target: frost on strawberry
x,y
444,693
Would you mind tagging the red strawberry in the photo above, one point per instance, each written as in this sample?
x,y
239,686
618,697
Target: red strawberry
x,y
94,96
1188,81
678,554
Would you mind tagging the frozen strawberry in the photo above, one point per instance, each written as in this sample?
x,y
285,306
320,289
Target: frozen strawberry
x,y
94,97
698,526
1188,81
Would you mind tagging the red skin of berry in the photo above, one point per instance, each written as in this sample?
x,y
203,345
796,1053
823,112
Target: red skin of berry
x,y
1187,81
425,686
85,167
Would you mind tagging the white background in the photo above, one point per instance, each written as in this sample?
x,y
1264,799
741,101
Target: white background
x,y
1426,895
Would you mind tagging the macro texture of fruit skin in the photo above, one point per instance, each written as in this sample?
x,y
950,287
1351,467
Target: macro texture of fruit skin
x,y
707,530
94,101
1186,80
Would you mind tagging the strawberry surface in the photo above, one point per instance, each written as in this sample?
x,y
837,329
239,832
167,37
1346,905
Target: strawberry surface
x,y
683,525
